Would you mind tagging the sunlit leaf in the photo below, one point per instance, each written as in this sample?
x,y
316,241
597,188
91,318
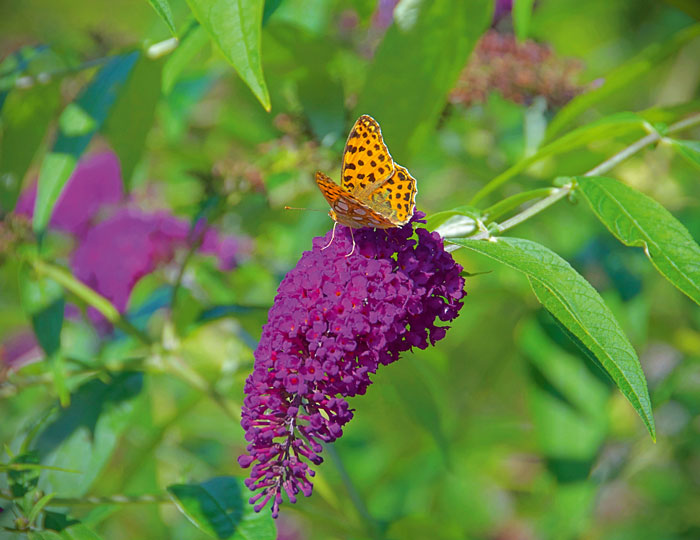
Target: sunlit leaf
x,y
163,10
638,220
236,27
579,307
219,507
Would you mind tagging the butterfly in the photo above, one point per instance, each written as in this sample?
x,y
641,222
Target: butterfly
x,y
374,191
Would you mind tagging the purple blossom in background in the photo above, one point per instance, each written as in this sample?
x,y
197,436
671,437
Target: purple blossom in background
x,y
334,321
95,183
19,350
113,254
119,251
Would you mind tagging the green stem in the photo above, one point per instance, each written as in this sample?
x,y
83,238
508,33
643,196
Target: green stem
x,y
90,501
90,297
602,168
492,213
371,525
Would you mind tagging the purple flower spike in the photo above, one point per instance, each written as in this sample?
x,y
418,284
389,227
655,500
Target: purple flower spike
x,y
335,319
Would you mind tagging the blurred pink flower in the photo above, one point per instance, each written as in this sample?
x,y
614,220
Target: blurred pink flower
x,y
96,182
123,248
113,253
19,350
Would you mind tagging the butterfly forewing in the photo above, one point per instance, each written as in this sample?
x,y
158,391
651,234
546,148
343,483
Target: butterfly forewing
x,y
366,160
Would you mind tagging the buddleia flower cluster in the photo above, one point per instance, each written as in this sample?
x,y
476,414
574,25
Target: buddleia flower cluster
x,y
518,71
335,320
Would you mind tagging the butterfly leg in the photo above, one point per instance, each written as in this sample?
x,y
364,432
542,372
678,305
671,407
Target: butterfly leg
x,y
335,224
353,243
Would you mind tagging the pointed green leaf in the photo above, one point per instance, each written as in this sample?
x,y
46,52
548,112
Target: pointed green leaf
x,y
162,8
131,117
236,27
219,508
416,66
579,307
78,123
690,150
638,220
25,119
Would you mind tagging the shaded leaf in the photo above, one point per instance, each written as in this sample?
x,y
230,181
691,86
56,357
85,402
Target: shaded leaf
x,y
94,103
131,117
83,436
219,508
416,66
44,303
190,44
579,307
236,27
638,220
25,119
162,8
621,77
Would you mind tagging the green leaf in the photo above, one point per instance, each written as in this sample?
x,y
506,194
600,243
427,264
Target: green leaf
x,y
690,150
83,436
416,66
580,309
621,77
438,218
637,220
74,136
25,119
522,13
191,43
219,508
162,8
236,27
131,117
67,527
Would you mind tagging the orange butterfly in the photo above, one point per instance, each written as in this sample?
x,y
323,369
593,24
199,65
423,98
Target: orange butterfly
x,y
374,191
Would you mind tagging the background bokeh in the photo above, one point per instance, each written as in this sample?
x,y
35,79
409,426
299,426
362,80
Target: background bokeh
x,y
504,430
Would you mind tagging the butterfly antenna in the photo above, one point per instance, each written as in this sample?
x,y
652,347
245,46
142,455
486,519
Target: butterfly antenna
x,y
307,209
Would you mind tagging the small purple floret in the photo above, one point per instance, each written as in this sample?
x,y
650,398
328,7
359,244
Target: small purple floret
x,y
334,321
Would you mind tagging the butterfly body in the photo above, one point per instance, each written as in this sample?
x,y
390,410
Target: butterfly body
x,y
374,191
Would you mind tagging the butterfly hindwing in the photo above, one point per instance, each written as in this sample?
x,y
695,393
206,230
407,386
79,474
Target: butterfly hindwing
x,y
396,197
347,209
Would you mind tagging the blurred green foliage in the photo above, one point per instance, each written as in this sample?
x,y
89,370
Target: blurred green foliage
x,y
507,429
